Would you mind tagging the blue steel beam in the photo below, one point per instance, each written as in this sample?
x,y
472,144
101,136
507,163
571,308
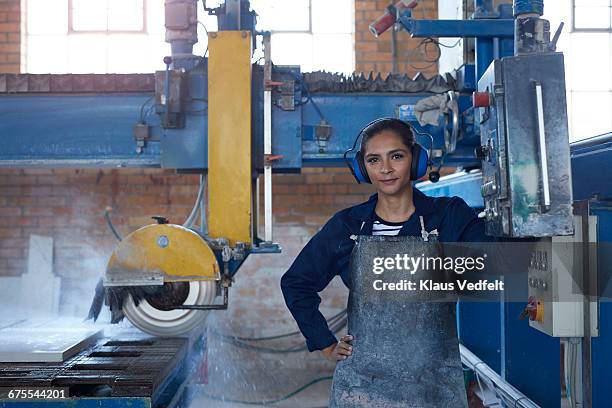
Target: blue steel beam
x,y
96,131
458,28
74,130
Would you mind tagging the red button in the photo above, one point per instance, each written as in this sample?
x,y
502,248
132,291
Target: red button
x,y
481,99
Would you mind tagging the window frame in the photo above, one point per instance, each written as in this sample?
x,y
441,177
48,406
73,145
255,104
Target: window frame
x,y
591,30
71,29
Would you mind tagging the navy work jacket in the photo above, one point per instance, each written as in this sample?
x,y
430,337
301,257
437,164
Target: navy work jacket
x,y
328,251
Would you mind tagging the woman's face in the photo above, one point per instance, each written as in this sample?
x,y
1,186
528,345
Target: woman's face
x,y
388,160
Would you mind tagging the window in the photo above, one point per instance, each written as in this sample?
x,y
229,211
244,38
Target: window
x,y
106,16
592,15
314,34
588,66
95,36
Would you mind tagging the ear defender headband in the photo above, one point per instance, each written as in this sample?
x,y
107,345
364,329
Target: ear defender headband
x,y
420,158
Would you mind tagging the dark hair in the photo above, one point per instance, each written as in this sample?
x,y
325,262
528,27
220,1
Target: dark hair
x,y
401,128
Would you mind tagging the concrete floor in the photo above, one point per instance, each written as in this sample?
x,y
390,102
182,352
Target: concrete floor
x,y
236,374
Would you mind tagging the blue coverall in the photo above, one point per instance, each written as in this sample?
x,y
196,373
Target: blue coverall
x,y
328,251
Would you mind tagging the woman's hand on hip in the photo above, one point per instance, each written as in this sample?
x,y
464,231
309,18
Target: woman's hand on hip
x,y
339,351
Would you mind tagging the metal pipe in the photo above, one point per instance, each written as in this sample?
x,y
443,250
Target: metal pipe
x,y
484,55
505,390
267,138
587,362
542,146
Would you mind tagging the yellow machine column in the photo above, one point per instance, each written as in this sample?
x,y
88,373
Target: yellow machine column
x,y
229,136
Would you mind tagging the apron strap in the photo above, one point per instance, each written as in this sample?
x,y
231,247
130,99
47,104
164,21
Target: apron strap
x,y
424,233
354,237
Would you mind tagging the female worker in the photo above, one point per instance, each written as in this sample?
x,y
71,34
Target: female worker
x,y
391,160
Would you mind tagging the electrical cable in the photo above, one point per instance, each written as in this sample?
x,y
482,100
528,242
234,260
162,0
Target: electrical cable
x,y
205,29
194,211
295,349
109,222
279,336
430,40
271,401
142,113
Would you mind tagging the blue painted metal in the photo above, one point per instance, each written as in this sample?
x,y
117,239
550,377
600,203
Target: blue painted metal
x,y
458,28
590,158
76,130
601,350
363,109
464,185
528,7
96,130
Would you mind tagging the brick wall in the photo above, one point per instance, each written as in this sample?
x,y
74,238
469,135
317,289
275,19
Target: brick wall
x,y
375,54
10,21
68,205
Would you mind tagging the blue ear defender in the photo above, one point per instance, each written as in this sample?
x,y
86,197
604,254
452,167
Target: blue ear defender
x,y
420,158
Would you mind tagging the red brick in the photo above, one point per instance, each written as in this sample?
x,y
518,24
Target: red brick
x,y
51,201
9,27
366,46
9,68
11,252
364,5
10,232
37,211
16,262
12,58
319,178
10,211
13,243
13,17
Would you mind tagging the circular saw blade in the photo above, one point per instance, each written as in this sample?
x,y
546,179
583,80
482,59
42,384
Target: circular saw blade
x,y
176,322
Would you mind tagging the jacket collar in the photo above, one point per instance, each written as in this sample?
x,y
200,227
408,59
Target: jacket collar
x,y
424,205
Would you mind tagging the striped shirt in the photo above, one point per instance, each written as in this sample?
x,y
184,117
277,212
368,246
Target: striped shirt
x,y
382,227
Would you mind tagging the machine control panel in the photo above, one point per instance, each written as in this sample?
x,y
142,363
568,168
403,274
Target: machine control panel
x,y
555,289
525,147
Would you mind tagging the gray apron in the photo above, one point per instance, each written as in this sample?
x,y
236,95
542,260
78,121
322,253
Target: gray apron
x,y
405,347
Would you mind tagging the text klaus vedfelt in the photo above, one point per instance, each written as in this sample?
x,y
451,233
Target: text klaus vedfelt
x,y
412,264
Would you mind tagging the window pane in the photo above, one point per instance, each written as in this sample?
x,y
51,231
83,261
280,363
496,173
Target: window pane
x,y
46,17
334,52
588,70
590,114
87,53
47,54
282,15
127,54
125,15
155,17
89,15
333,17
596,3
592,17
292,49
156,49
